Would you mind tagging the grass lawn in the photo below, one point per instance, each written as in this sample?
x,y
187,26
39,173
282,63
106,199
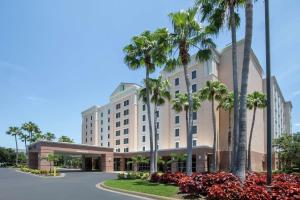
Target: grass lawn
x,y
144,187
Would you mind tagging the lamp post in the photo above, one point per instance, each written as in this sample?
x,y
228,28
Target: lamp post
x,y
268,77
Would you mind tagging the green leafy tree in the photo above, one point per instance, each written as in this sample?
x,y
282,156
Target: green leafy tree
x,y
181,103
15,132
219,14
179,159
188,35
214,90
137,160
288,148
148,50
227,104
51,158
159,90
66,139
254,100
24,138
242,144
32,129
49,136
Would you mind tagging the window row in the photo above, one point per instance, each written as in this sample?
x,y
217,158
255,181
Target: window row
x,y
177,144
194,75
126,103
125,141
125,132
125,122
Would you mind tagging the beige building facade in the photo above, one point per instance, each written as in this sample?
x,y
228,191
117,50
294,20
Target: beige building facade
x,y
122,123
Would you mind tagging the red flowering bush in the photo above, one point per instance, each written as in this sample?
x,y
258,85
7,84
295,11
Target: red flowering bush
x,y
256,179
172,178
227,191
285,190
154,177
255,192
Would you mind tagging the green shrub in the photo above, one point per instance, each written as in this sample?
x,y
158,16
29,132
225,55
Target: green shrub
x,y
145,176
121,176
131,176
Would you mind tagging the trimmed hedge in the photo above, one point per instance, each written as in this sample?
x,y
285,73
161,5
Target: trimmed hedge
x,y
38,172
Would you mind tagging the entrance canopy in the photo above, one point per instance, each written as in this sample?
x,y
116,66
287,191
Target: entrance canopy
x,y
39,150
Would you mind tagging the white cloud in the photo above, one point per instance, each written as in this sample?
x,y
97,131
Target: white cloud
x,y
297,124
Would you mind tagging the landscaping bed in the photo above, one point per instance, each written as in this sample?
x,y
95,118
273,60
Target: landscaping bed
x,y
39,172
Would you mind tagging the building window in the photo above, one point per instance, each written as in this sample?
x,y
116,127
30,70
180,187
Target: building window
x,y
194,74
157,136
194,143
118,150
117,142
126,140
118,106
194,115
86,119
194,129
176,93
85,140
126,121
101,122
176,81
108,119
144,107
101,144
144,148
144,128
126,103
118,133
126,131
108,128
157,113
176,119
91,139
101,130
157,125
108,112
177,132
91,117
176,145
118,124
101,114
108,136
144,138
118,115
101,137
144,118
86,133
91,131
126,112
85,126
126,149
194,88
108,144
91,124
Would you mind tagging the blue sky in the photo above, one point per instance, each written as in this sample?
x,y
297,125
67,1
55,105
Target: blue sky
x,y
59,57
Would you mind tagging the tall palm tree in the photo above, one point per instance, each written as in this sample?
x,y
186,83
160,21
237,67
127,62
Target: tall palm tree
x,y
254,100
65,138
49,136
227,104
32,129
24,138
214,90
187,35
220,13
148,50
181,103
137,160
159,90
15,132
242,144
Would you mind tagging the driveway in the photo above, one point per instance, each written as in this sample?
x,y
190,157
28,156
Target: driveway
x,y
74,186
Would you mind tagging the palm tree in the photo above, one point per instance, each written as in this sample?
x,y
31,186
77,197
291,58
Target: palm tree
x,y
179,159
254,100
24,138
188,35
51,157
159,90
181,103
137,160
227,104
242,144
214,90
49,136
148,50
66,139
220,13
32,129
15,132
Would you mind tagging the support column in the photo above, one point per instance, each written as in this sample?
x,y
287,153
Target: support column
x,y
33,160
107,162
43,164
122,164
201,162
174,167
83,163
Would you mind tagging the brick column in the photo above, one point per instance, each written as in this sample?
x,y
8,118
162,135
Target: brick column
x,y
122,164
107,162
174,167
83,163
43,164
201,162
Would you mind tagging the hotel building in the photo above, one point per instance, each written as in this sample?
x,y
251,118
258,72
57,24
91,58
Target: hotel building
x,y
122,123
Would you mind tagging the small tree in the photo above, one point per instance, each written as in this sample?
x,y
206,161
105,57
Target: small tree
x,y
51,157
137,160
66,139
49,136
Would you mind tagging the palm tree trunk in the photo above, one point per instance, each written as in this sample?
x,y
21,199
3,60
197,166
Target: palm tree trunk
x,y
250,140
17,150
241,158
214,156
189,132
152,169
155,138
235,89
229,140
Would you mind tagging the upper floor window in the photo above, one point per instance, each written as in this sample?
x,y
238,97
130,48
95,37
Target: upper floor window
x,y
108,136
176,93
157,125
117,142
176,145
101,122
108,144
194,129
126,149
144,107
194,74
108,128
177,132
176,81
194,115
91,117
144,148
108,119
176,119
194,88
108,111
126,140
118,106
144,138
194,143
117,133
101,130
157,113
126,131
91,131
144,118
144,128
126,121
86,119
126,103
118,115
91,139
118,124
126,112
101,114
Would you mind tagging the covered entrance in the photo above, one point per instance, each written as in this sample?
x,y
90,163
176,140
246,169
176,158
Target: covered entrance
x,y
93,157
